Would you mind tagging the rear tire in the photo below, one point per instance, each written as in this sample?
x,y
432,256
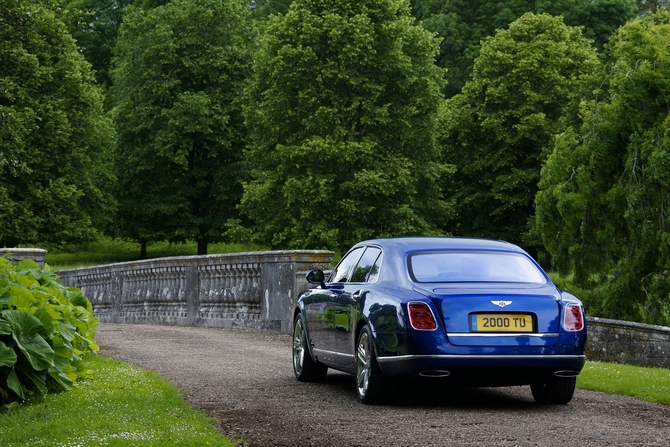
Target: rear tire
x,y
305,368
371,384
557,392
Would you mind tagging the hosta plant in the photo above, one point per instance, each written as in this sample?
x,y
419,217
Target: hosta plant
x,y
45,327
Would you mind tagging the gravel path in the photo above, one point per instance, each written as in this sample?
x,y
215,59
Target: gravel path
x,y
245,380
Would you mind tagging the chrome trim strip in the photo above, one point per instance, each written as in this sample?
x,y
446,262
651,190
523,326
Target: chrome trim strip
x,y
400,358
332,353
502,334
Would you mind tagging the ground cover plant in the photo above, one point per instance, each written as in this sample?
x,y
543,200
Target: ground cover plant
x,y
650,384
120,405
45,327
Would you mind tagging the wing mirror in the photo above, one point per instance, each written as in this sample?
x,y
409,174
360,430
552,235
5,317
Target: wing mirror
x,y
316,277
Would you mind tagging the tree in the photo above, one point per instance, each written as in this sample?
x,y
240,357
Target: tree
x,y
342,111
97,32
526,85
55,180
178,75
605,190
464,24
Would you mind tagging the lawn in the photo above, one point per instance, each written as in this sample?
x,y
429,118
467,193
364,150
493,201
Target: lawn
x,y
119,405
107,251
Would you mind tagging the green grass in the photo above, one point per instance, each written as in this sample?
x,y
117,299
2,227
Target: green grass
x,y
650,384
118,406
108,251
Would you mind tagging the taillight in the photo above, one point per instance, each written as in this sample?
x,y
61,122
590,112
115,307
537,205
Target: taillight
x,y
421,317
574,318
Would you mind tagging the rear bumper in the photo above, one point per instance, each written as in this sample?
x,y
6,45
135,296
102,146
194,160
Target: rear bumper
x,y
485,370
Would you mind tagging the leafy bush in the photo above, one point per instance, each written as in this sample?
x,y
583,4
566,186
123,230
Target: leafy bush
x,y
45,327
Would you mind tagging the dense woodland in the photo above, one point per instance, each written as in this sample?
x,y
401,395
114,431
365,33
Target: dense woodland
x,y
317,123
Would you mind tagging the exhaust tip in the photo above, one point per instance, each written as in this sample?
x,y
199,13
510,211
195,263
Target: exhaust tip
x,y
435,373
566,374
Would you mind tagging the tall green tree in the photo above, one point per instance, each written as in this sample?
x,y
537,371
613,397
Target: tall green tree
x,y
605,190
178,76
96,30
526,85
54,170
342,109
464,24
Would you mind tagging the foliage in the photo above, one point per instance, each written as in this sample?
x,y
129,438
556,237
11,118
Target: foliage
x,y
264,8
526,85
54,176
464,24
342,115
118,406
178,76
97,30
605,190
44,329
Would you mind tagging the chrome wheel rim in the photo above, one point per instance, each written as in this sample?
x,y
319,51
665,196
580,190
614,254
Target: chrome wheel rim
x,y
298,347
363,364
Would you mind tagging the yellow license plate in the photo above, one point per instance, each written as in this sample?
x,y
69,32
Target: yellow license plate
x,y
501,323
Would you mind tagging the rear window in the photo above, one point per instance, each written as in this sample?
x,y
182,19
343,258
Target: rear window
x,y
473,266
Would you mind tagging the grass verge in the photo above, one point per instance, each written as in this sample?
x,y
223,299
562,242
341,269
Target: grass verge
x,y
120,405
650,384
108,251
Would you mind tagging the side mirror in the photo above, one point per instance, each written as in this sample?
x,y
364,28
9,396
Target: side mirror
x,y
316,277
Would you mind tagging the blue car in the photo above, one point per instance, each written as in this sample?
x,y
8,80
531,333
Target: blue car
x,y
469,311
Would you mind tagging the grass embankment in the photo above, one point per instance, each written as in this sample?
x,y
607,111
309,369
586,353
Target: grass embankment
x,y
108,251
119,405
650,384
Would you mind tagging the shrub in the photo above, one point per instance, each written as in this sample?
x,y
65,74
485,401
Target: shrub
x,y
45,327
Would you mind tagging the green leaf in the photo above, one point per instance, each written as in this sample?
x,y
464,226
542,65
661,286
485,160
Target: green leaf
x,y
33,346
14,384
7,355
38,378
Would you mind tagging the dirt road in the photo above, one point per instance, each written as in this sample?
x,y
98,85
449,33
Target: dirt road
x,y
245,380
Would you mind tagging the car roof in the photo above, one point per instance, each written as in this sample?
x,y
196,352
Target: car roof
x,y
407,244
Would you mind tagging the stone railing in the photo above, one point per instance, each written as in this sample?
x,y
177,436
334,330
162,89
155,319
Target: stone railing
x,y
627,342
241,290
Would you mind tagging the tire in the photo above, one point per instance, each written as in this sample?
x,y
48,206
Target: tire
x,y
557,392
371,384
305,368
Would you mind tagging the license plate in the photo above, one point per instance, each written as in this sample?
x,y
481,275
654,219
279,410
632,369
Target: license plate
x,y
501,323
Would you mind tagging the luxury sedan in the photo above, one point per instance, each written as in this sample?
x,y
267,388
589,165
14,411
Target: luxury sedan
x,y
469,311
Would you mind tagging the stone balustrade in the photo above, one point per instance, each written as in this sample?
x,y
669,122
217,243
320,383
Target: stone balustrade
x,y
240,290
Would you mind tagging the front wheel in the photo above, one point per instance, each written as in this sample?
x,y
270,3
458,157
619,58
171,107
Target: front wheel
x,y
557,392
305,368
371,384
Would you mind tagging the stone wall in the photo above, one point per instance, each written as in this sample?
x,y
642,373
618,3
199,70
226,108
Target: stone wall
x,y
239,290
627,342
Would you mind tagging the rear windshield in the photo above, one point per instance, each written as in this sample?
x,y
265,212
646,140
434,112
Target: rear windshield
x,y
473,266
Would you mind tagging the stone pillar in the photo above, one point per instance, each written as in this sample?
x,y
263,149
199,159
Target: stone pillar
x,y
19,254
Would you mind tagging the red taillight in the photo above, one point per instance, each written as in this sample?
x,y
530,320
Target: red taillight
x,y
421,317
574,318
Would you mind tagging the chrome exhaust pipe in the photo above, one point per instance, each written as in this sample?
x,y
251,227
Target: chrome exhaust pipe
x,y
435,373
566,374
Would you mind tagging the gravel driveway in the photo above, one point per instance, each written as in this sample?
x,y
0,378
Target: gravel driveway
x,y
245,380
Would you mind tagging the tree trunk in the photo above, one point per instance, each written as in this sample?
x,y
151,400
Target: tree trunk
x,y
202,247
143,250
